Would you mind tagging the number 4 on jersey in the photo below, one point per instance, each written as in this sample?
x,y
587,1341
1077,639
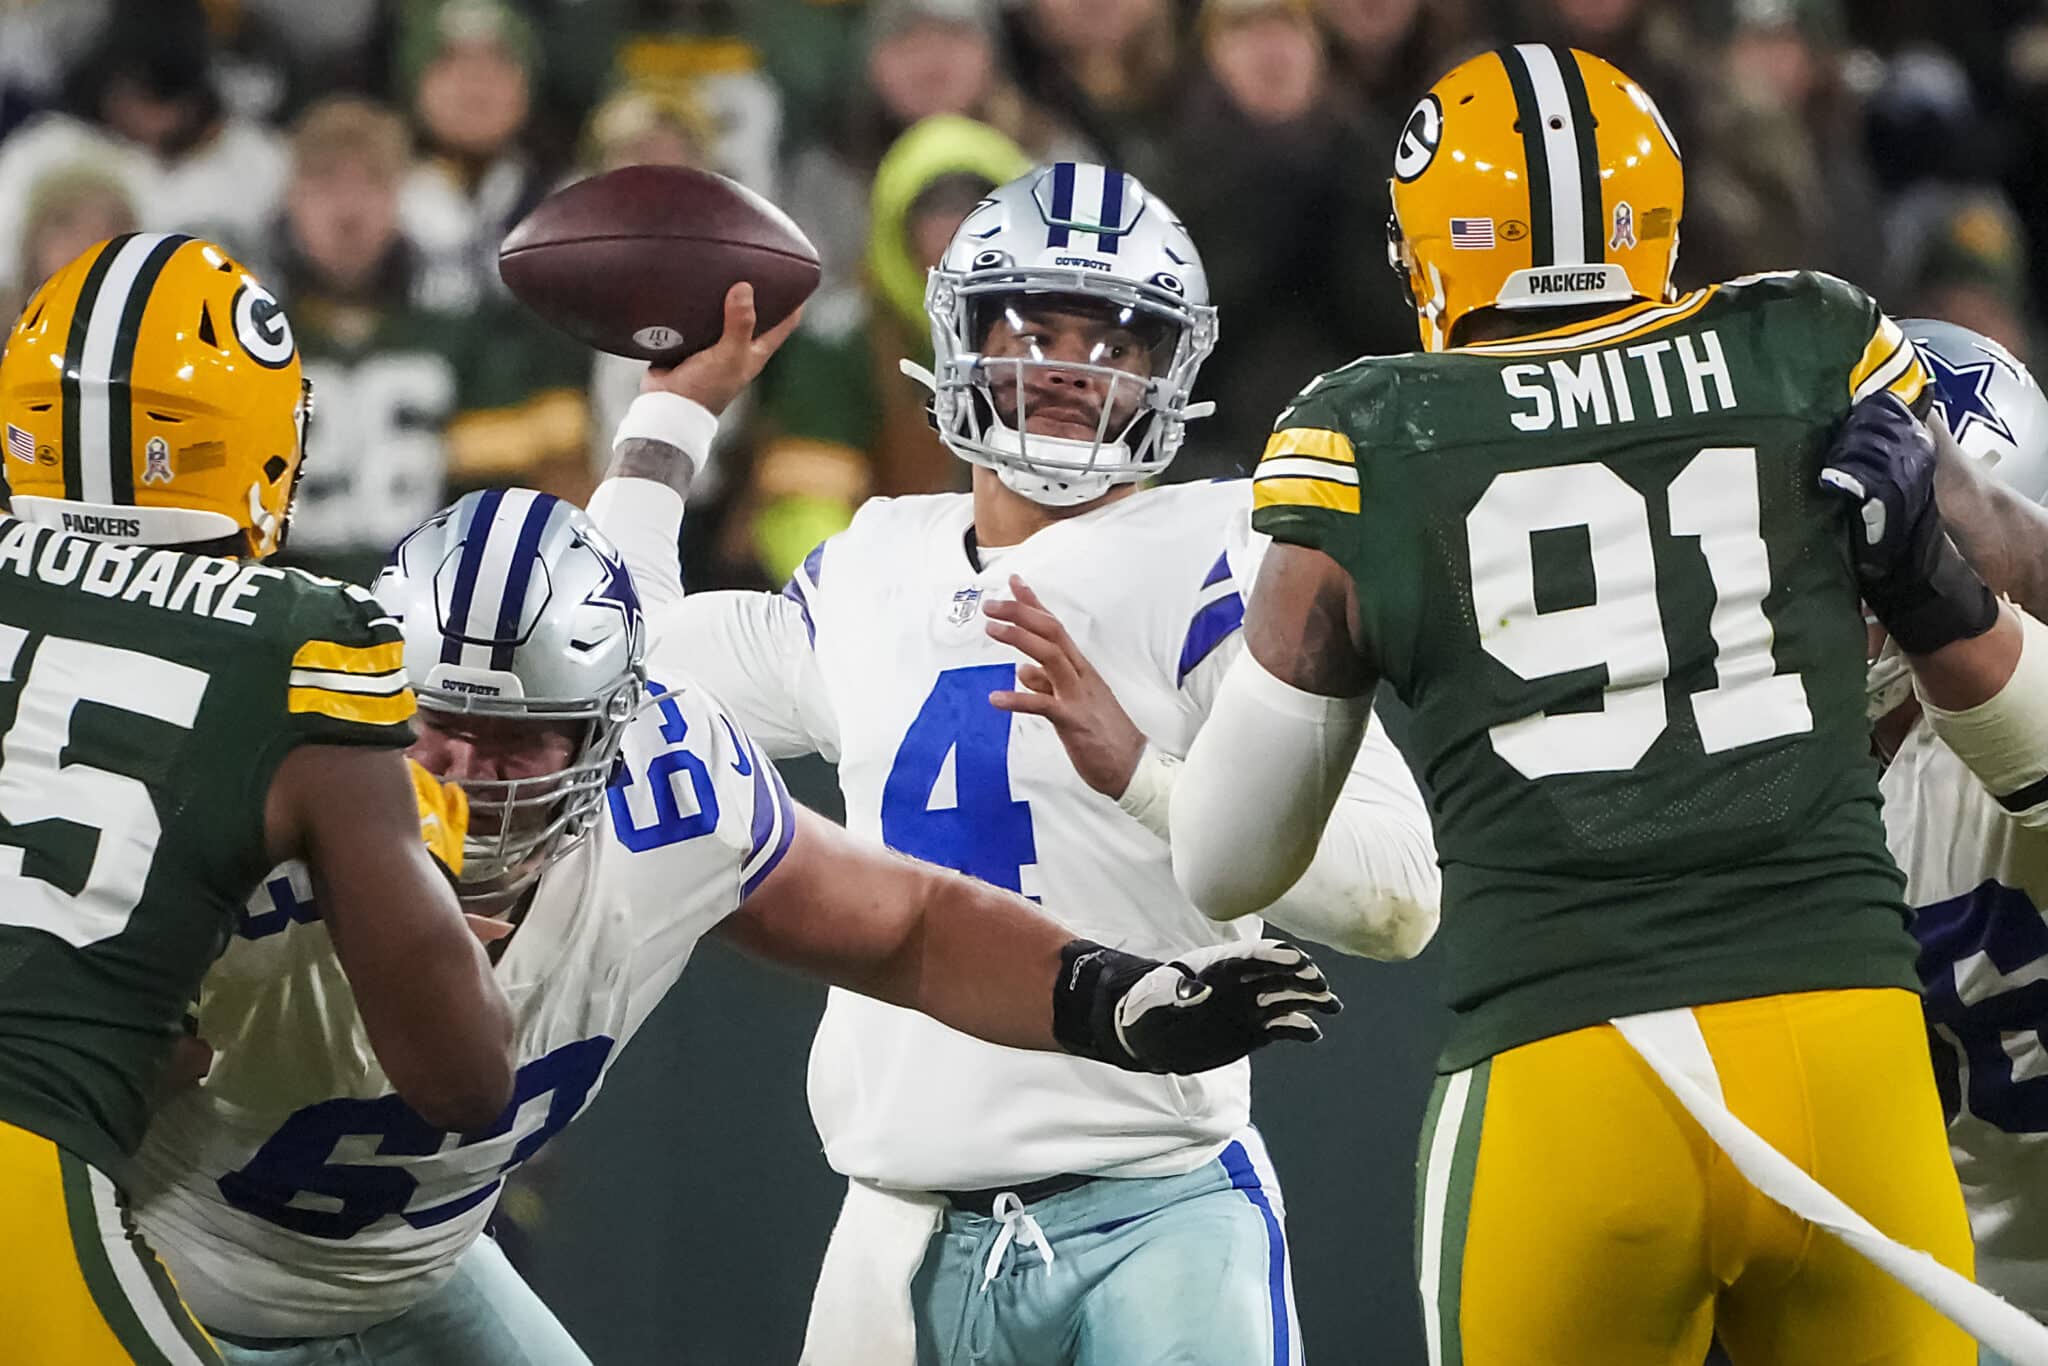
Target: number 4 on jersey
x,y
978,829
1713,498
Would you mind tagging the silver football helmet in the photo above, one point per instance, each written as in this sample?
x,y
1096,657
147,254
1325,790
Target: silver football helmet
x,y
1999,416
1094,237
513,604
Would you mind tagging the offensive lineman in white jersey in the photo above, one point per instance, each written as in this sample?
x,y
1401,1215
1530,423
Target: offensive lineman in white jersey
x,y
1002,1207
1977,872
312,1217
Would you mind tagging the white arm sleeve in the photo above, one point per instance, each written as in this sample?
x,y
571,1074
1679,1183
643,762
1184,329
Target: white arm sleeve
x,y
753,651
2004,740
1258,787
643,517
1373,887
645,521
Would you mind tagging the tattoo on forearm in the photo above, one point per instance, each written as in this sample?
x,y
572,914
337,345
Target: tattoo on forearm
x,y
645,458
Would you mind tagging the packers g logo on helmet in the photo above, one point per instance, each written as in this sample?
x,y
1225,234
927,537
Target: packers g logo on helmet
x,y
164,380
1533,177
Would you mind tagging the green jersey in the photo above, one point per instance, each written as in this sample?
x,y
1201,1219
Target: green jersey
x,y
1598,566
146,699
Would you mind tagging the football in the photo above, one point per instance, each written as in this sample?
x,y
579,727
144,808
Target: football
x,y
637,261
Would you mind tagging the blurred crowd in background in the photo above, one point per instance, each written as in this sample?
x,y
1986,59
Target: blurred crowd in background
x,y
366,157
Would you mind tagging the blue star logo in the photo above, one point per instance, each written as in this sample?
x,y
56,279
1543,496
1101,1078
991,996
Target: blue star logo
x,y
617,591
1962,394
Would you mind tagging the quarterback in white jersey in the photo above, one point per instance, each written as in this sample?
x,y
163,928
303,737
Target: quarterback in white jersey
x,y
1069,318
616,819
1977,875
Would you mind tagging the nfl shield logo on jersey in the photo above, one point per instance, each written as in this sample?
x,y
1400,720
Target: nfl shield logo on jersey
x,y
965,603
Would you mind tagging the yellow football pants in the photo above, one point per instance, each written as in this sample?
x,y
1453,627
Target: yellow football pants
x,y
1571,1213
78,1287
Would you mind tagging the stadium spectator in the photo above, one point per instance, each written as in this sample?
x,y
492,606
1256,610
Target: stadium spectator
x,y
409,400
1780,178
705,44
68,210
467,68
1110,68
383,369
1970,268
922,58
1262,167
143,106
1657,43
1385,53
840,419
40,41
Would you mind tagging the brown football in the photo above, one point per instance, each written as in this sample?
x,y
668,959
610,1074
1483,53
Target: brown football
x,y
637,261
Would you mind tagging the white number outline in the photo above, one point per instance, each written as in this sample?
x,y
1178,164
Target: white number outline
x,y
1714,500
37,785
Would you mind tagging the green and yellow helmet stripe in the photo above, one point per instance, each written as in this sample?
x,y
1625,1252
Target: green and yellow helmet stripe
x,y
99,361
1566,224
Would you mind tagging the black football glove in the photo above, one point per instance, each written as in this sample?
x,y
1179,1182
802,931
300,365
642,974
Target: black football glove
x,y
1913,578
1207,1008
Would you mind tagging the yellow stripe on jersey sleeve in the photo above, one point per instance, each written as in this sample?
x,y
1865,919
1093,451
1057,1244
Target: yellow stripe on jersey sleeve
x,y
1307,467
1317,443
1295,492
349,706
1888,362
329,656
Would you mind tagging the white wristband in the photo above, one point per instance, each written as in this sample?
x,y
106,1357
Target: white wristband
x,y
1148,797
684,423
2004,740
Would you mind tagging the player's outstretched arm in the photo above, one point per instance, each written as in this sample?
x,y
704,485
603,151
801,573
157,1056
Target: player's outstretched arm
x,y
1266,769
441,1029
665,438
985,962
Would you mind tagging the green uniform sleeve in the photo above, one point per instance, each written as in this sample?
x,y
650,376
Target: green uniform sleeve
x,y
345,678
1305,489
1856,350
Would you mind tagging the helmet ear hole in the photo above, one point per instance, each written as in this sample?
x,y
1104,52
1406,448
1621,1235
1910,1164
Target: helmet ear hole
x,y
206,332
274,468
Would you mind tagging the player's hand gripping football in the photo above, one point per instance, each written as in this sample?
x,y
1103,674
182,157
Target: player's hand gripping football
x,y
718,374
1062,686
1204,1010
1913,578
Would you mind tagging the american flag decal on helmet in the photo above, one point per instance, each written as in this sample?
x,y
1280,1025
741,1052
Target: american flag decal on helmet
x,y
20,444
1472,234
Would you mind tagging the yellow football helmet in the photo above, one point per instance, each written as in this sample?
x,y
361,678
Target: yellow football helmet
x,y
151,394
1533,177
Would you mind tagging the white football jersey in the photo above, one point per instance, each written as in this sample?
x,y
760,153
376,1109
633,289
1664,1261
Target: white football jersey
x,y
889,674
293,1193
1978,881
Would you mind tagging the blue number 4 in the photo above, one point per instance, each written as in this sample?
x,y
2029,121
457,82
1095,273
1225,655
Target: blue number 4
x,y
985,833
